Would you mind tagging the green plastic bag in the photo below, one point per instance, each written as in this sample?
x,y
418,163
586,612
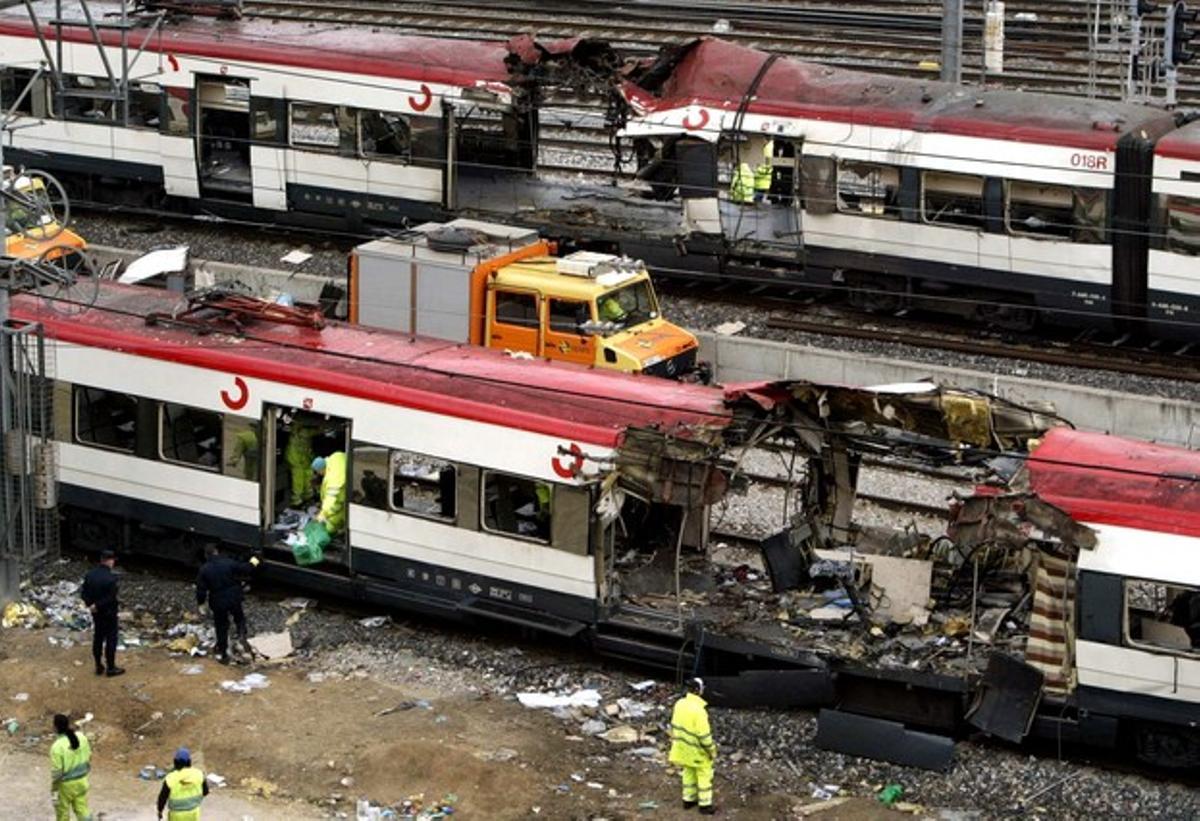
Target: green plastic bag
x,y
312,549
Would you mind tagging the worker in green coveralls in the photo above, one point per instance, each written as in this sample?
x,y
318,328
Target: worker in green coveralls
x,y
299,455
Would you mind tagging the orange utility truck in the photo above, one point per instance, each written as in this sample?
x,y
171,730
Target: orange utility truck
x,y
503,287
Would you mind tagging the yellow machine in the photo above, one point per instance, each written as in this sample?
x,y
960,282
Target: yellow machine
x,y
504,288
29,232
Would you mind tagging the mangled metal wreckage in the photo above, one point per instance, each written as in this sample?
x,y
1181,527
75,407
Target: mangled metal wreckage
x,y
1023,617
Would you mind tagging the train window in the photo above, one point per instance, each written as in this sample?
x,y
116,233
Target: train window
x,y
145,105
106,418
1162,616
189,436
384,135
952,199
868,189
242,448
14,82
81,99
1039,210
423,485
328,127
517,506
1183,224
369,477
567,315
513,308
264,114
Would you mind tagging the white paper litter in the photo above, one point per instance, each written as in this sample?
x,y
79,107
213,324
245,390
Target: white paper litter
x,y
273,645
580,698
149,265
295,257
729,328
248,682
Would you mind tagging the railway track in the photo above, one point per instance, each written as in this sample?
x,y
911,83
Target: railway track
x,y
1047,43
1181,364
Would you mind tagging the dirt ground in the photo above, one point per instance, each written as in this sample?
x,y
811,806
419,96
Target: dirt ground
x,y
303,749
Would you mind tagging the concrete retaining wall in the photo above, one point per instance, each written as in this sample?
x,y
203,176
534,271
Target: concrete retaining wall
x,y
738,359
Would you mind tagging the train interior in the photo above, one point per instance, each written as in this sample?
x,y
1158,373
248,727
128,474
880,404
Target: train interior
x,y
292,489
223,131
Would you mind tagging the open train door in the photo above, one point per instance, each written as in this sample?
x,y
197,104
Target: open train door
x,y
223,137
291,495
762,221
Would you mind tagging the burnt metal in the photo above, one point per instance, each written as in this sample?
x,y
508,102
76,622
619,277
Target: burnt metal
x,y
778,689
786,558
883,740
1007,699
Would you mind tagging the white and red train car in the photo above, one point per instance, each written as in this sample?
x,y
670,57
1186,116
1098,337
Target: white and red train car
x,y
909,188
473,492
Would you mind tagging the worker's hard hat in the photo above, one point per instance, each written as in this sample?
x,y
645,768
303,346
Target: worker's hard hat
x,y
318,463
696,684
183,755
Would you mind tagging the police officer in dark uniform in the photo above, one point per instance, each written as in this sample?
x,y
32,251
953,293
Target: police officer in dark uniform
x,y
99,593
220,583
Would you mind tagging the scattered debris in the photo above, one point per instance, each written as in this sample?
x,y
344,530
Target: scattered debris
x,y
404,705
192,670
273,646
12,725
502,754
373,621
21,697
150,772
297,603
296,257
258,786
580,698
183,644
890,794
624,734
21,614
216,780
642,686
729,328
806,810
593,726
248,682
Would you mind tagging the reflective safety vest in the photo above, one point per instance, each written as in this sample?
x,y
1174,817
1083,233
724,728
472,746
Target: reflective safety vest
x,y
741,189
187,791
764,170
333,492
691,739
67,764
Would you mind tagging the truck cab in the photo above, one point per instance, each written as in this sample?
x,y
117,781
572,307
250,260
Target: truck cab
x,y
505,288
589,308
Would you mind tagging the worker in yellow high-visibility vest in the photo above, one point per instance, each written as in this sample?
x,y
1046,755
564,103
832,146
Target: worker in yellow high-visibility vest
x,y
692,748
764,171
183,789
70,763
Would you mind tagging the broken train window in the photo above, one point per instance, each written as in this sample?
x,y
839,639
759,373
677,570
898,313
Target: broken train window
x,y
384,135
1039,210
1162,616
369,476
423,485
952,199
868,189
1182,224
517,506
329,127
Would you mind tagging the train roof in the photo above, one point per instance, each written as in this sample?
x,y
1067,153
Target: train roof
x,y
326,46
716,73
572,401
1105,479
1183,144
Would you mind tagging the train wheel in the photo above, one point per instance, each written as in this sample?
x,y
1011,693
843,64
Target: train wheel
x,y
1007,316
876,295
1170,747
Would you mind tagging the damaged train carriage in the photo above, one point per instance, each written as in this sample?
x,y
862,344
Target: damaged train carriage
x,y
578,503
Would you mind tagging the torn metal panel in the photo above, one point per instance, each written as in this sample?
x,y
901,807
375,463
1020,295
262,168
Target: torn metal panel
x,y
787,556
661,468
778,689
882,740
1007,699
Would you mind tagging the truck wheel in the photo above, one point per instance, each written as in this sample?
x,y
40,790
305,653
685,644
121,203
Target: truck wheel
x,y
1170,747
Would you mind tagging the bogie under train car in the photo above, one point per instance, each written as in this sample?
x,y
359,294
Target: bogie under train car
x,y
487,488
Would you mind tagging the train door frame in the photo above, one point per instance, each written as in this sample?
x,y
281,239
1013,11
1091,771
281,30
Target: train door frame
x,y
271,421
237,105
